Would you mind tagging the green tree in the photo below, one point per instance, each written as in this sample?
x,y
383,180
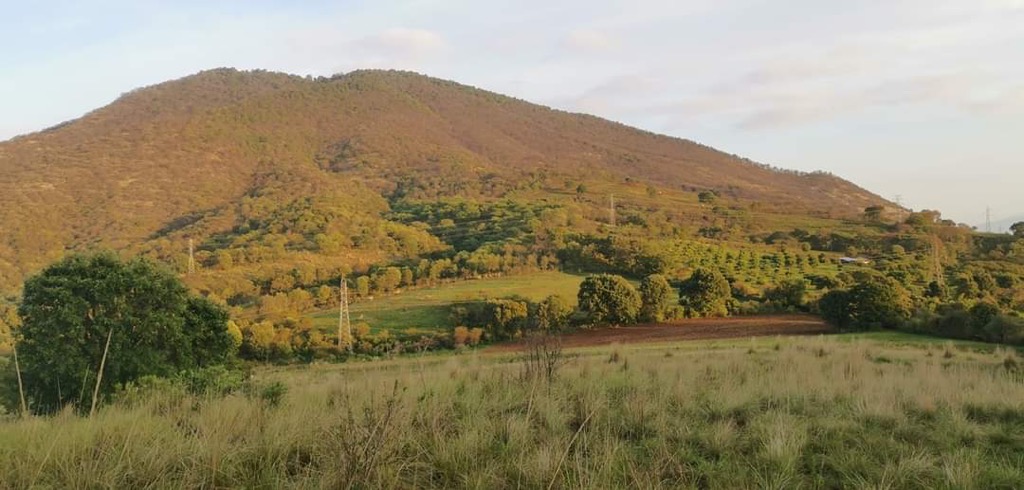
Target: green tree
x,y
224,259
656,298
553,313
387,279
607,298
874,302
982,313
834,307
72,307
363,286
705,293
506,317
788,294
407,279
873,213
1018,229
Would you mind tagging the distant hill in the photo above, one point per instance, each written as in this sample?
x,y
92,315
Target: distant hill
x,y
314,167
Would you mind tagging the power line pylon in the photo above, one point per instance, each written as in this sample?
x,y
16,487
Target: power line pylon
x,y
191,258
344,321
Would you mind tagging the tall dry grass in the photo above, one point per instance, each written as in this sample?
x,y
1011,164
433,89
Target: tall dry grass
x,y
795,413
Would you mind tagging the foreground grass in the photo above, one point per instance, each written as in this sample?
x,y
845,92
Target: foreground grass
x,y
771,413
429,307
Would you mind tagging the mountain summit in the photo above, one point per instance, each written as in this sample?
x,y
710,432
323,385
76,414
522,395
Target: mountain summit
x,y
225,155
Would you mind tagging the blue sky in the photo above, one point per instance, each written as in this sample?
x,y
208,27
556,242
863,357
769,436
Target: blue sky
x,y
918,98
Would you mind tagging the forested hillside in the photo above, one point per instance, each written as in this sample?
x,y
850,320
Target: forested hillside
x,y
396,180
262,163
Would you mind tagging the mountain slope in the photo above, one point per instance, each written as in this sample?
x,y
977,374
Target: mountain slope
x,y
229,158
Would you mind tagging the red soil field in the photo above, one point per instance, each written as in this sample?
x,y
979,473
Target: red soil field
x,y
691,329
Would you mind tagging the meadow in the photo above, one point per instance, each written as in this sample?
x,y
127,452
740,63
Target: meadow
x,y
429,308
810,412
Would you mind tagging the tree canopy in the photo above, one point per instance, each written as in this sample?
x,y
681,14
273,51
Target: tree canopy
x,y
656,294
705,293
155,327
874,302
607,298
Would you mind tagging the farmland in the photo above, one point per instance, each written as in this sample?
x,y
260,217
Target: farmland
x,y
691,329
773,412
429,307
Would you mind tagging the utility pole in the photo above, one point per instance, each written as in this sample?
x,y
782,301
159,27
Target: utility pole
x,y
191,258
611,209
344,322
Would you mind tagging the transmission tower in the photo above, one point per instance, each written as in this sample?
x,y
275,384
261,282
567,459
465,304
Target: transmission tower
x,y
191,257
988,220
344,322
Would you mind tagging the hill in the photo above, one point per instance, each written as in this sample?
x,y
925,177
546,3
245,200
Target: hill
x,y
283,165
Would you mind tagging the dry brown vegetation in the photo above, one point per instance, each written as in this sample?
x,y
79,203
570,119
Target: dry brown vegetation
x,y
770,413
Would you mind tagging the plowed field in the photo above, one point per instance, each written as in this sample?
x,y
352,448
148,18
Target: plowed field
x,y
693,329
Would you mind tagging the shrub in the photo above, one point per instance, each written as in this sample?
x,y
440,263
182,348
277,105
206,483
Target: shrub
x,y
553,313
460,336
788,294
981,315
705,293
874,302
506,317
655,295
463,336
607,298
1005,329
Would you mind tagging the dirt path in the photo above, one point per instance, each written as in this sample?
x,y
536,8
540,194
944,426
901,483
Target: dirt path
x,y
693,329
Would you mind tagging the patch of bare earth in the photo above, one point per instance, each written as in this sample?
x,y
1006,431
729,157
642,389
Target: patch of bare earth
x,y
691,329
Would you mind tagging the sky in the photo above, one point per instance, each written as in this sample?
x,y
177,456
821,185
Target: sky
x,y
920,99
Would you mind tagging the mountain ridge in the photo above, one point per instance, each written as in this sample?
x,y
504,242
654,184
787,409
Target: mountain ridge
x,y
222,149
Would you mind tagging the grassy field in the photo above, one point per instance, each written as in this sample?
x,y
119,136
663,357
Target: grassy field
x,y
814,412
429,307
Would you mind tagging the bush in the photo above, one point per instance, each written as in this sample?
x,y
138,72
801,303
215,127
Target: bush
x,y
875,302
705,293
553,313
271,394
463,336
607,298
787,294
981,315
460,336
953,321
506,318
655,295
212,381
1005,329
